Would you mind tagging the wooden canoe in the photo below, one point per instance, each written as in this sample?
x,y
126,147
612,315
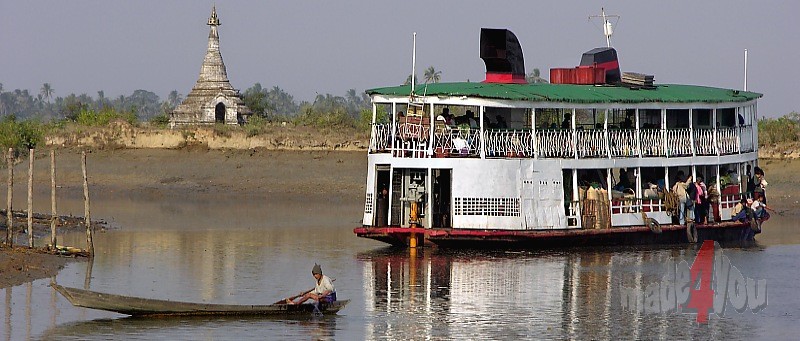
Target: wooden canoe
x,y
137,306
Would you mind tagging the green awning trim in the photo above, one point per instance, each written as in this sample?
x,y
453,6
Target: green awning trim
x,y
571,93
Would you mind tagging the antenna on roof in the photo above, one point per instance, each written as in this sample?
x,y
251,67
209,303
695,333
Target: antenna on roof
x,y
745,69
413,63
607,27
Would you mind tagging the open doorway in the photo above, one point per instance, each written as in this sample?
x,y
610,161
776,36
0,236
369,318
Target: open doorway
x,y
382,191
442,196
219,113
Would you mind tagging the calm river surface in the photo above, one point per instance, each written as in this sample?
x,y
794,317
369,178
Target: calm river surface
x,y
256,253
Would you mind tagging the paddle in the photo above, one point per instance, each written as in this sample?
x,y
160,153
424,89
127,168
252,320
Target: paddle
x,y
283,301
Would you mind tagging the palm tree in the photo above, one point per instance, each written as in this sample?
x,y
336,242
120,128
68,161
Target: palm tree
x,y
408,79
535,77
174,98
432,76
47,91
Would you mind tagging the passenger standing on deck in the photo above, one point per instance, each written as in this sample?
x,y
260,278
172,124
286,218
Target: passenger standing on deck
x,y
680,191
322,292
701,203
760,184
691,192
713,200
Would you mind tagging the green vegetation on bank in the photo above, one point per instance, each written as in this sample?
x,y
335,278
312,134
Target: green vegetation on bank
x,y
785,129
21,135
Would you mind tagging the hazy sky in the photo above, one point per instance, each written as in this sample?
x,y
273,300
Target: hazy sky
x,y
309,47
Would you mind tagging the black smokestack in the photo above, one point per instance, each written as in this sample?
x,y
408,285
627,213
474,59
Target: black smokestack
x,y
502,54
604,58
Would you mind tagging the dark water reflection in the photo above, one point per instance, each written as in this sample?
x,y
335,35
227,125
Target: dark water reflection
x,y
396,294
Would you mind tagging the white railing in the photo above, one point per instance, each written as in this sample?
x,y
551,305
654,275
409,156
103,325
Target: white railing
x,y
508,143
746,138
411,140
457,142
679,142
636,205
591,143
413,131
652,142
555,143
704,142
727,140
380,140
623,143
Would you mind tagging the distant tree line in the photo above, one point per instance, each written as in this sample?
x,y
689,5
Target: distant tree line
x,y
267,103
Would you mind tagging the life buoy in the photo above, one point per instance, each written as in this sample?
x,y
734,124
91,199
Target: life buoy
x,y
691,232
654,226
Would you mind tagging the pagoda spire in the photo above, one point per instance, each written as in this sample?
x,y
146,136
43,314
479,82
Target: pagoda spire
x,y
213,68
212,99
213,20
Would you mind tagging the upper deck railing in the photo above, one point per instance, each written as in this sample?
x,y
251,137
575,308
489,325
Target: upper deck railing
x,y
414,140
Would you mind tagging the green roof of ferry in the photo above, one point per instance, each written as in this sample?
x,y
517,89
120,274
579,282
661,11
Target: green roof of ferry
x,y
571,93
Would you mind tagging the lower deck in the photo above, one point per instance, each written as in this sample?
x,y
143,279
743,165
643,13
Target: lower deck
x,y
634,235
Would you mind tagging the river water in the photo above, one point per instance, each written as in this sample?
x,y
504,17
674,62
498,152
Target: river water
x,y
248,252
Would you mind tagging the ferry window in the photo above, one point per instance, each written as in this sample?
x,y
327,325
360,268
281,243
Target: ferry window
x,y
701,118
726,117
400,114
457,115
622,119
506,118
551,118
382,111
650,119
592,177
588,119
677,118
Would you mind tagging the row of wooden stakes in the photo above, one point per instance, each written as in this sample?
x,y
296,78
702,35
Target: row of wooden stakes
x,y
53,222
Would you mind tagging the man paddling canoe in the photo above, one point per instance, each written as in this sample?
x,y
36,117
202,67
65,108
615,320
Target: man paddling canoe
x,y
322,292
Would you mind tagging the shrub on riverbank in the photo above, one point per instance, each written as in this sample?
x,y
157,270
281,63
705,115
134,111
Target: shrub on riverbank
x,y
20,135
784,129
102,117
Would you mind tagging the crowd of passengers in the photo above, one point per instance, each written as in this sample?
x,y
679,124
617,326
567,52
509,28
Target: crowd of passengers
x,y
699,201
446,121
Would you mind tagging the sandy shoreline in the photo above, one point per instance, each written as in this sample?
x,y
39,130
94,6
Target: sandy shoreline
x,y
279,176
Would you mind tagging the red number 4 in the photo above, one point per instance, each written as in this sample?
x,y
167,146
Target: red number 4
x,y
702,296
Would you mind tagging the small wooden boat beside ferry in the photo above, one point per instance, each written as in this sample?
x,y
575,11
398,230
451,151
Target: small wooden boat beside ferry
x,y
589,159
137,306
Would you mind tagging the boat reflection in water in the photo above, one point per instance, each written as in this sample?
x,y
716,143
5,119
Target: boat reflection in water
x,y
559,294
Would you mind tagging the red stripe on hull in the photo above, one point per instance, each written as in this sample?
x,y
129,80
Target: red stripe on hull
x,y
396,235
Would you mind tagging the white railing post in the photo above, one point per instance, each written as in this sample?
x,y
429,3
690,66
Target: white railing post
x,y
429,152
638,134
482,144
394,128
605,135
691,133
574,135
714,122
664,132
534,145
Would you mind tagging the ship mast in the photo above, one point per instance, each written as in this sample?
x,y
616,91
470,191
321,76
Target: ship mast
x,y
607,27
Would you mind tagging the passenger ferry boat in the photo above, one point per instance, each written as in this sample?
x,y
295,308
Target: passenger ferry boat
x,y
588,159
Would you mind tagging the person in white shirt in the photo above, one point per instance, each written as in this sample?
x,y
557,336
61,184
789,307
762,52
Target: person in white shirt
x,y
323,291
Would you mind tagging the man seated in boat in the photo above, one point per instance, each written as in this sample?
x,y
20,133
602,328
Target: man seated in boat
x,y
323,291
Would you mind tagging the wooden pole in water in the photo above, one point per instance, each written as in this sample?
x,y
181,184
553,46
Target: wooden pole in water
x,y
10,183
30,197
87,215
54,217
